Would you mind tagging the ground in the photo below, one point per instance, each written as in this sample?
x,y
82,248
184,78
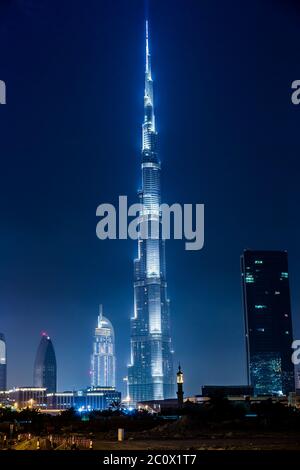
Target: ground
x,y
271,441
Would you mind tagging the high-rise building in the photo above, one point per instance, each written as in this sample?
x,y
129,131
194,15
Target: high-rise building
x,y
150,373
44,374
3,371
268,321
103,361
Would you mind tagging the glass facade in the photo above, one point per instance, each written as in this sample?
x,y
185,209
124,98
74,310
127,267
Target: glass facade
x,y
268,322
44,374
150,373
103,361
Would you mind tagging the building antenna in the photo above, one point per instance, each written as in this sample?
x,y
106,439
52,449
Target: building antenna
x,y
147,9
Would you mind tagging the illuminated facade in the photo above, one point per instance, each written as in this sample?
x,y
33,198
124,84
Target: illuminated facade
x,y
44,374
268,322
99,398
3,371
150,373
103,362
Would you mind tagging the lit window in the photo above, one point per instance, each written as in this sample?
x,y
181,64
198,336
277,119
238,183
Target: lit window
x,y
258,261
260,306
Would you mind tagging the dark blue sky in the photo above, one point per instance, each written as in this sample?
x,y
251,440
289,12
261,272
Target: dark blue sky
x,y
70,140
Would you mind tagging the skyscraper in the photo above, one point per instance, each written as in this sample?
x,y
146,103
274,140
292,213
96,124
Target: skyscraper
x,y
44,374
150,373
268,321
103,361
2,362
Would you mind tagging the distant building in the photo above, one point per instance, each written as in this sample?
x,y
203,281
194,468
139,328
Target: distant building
x,y
25,397
99,398
3,370
297,378
239,399
268,321
226,390
156,406
103,361
44,374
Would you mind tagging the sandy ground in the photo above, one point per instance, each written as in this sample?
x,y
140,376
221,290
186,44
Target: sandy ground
x,y
256,442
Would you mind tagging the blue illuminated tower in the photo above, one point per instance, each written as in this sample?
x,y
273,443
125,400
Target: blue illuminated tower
x,y
150,374
103,361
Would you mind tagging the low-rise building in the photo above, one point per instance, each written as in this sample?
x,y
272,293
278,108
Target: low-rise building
x,y
97,398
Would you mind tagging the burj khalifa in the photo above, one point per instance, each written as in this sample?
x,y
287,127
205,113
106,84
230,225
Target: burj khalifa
x,y
150,373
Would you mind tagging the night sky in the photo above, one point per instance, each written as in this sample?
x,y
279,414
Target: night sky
x,y
71,138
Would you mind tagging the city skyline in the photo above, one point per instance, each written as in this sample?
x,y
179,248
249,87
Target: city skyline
x,y
61,166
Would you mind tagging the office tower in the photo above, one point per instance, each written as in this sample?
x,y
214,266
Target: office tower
x,y
103,362
150,373
268,321
3,370
44,374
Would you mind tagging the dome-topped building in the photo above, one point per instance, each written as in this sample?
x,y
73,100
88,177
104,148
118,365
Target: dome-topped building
x,y
103,361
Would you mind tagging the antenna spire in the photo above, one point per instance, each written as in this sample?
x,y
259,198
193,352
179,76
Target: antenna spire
x,y
100,315
148,63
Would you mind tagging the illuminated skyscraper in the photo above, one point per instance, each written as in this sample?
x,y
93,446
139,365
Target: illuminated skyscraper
x,y
103,362
268,321
150,374
2,362
44,374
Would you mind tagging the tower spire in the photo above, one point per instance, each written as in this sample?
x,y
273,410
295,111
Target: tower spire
x,y
148,62
149,118
100,315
